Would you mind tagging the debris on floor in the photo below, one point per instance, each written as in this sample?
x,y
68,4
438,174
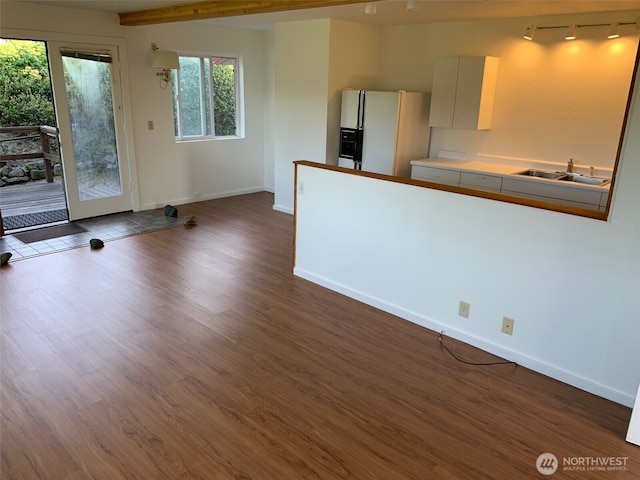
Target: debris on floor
x,y
170,211
4,258
96,243
190,220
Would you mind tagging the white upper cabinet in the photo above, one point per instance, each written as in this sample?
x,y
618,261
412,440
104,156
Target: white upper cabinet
x,y
463,92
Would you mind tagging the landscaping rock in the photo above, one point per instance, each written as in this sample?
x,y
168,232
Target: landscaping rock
x,y
4,258
170,211
32,166
96,243
37,174
17,172
190,220
13,180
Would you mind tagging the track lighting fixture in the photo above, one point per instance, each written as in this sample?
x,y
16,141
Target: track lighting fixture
x,y
571,34
370,8
614,29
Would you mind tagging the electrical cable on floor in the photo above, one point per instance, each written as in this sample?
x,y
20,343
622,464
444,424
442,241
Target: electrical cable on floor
x,y
505,362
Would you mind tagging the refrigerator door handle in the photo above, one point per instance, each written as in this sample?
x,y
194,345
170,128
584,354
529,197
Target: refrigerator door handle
x,y
362,103
359,109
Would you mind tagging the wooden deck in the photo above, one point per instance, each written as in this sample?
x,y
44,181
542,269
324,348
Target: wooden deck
x,y
32,198
43,197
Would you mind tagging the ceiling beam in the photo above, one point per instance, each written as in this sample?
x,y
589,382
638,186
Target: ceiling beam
x,y
221,8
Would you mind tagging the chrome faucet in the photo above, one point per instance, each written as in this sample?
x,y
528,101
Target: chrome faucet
x,y
570,165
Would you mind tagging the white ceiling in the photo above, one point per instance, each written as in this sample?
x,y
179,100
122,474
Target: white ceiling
x,y
389,12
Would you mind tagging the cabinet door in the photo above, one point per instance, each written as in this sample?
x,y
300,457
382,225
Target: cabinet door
x,y
469,93
443,95
463,92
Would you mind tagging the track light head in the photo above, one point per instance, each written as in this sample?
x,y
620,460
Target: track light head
x,y
529,32
571,34
370,8
614,32
412,6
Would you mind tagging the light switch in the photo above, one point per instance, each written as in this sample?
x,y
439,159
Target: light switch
x,y
150,124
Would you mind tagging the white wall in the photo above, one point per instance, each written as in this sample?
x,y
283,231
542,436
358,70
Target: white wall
x,y
315,60
555,99
269,110
302,72
353,63
170,172
570,283
184,171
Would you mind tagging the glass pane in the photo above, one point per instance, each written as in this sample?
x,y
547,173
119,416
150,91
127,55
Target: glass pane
x,y
223,72
88,86
190,96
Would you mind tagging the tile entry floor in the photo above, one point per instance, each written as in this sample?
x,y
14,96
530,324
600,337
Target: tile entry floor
x,y
108,227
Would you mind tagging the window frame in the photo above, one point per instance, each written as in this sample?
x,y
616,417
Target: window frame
x,y
205,65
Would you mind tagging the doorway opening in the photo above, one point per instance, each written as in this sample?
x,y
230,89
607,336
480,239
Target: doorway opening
x,y
32,190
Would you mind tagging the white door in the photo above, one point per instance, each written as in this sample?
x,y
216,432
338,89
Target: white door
x,y
88,98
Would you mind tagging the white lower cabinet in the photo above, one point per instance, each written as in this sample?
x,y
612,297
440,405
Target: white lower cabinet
x,y
479,181
557,192
554,193
436,175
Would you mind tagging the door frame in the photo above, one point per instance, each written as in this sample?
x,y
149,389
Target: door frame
x,y
127,145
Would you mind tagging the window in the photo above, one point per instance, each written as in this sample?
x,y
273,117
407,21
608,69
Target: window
x,y
206,101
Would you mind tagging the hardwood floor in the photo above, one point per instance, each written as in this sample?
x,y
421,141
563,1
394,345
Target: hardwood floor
x,y
195,353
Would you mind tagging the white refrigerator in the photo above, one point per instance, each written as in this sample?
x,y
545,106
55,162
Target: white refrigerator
x,y
382,132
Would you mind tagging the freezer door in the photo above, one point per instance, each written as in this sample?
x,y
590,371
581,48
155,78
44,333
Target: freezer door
x,y
346,163
349,111
380,132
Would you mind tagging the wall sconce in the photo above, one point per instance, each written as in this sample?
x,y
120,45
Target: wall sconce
x,y
370,8
166,60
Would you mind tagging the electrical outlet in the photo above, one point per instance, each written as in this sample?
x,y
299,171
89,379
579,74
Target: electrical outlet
x,y
463,309
507,325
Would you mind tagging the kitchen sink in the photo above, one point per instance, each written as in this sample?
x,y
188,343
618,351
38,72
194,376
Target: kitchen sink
x,y
543,174
581,179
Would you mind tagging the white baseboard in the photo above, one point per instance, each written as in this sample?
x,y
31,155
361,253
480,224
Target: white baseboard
x,y
202,198
280,208
521,359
